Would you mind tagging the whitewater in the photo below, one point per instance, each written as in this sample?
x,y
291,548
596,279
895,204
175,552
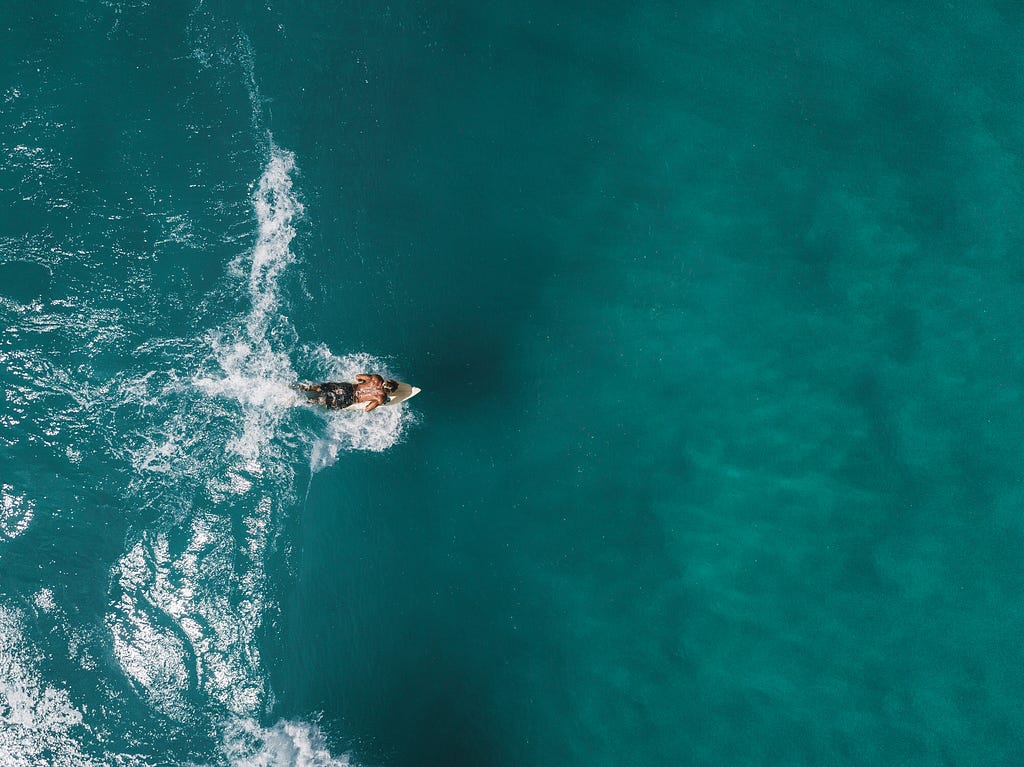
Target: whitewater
x,y
197,442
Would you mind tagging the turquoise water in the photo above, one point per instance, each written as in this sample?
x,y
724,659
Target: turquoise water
x,y
715,311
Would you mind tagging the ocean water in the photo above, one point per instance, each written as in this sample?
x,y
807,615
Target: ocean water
x,y
715,309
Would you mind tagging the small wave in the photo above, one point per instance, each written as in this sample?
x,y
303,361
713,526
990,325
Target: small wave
x,y
203,430
286,744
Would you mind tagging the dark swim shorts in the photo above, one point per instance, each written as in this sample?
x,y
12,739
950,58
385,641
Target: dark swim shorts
x,y
336,395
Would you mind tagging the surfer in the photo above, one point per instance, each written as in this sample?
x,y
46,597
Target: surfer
x,y
335,395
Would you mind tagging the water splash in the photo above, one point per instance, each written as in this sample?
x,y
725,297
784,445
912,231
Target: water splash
x,y
347,431
286,744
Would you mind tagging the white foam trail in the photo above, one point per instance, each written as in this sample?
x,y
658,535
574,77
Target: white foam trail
x,y
191,596
210,438
216,465
276,208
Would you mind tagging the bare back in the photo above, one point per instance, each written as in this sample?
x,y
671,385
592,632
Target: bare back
x,y
370,388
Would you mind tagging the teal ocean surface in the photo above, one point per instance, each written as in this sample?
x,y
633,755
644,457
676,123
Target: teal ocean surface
x,y
716,312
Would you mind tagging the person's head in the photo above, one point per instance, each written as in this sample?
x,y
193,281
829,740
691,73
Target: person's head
x,y
390,386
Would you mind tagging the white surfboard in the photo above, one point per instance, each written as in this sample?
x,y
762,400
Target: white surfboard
x,y
402,393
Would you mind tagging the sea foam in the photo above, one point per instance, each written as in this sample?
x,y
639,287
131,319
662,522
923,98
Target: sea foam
x,y
39,723
215,463
286,744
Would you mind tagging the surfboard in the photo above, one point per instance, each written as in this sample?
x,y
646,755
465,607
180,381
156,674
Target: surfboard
x,y
402,393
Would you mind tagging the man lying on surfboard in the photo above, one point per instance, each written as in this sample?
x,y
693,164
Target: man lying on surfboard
x,y
335,395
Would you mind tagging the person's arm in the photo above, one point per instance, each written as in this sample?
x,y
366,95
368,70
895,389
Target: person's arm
x,y
377,401
307,387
